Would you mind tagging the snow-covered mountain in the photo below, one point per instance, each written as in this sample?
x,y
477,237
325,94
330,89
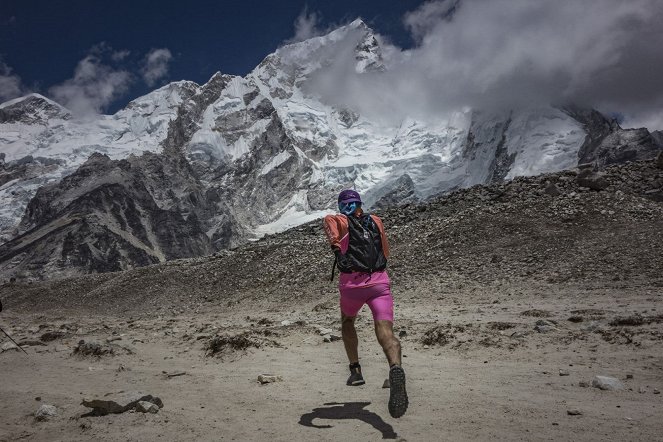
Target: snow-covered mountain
x,y
240,157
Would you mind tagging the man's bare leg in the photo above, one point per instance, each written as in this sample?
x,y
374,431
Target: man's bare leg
x,y
350,339
398,400
351,343
384,330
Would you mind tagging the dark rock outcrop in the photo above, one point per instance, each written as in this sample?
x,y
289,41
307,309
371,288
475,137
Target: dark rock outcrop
x,y
110,216
33,109
608,143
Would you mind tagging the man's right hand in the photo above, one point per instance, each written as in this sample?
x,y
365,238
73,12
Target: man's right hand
x,y
342,260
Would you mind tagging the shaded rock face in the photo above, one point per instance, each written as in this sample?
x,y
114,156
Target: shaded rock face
x,y
627,145
607,143
34,109
185,124
402,192
110,216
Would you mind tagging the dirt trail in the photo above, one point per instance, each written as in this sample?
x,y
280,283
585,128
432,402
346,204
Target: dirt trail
x,y
478,381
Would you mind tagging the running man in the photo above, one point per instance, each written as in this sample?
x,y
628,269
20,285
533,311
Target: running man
x,y
360,244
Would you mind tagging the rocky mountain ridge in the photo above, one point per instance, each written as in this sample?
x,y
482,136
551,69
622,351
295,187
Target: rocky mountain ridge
x,y
548,229
240,157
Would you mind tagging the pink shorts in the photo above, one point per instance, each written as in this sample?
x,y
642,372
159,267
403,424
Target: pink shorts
x,y
373,289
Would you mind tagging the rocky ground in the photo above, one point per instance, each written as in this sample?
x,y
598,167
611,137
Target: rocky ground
x,y
510,300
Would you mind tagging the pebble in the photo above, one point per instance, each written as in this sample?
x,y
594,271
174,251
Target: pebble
x,y
46,412
9,346
563,372
573,412
607,383
269,378
657,391
583,384
544,328
147,407
330,338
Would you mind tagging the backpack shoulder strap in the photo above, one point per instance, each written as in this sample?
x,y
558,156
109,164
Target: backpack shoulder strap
x,y
383,235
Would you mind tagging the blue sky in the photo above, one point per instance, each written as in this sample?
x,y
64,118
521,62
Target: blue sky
x,y
96,56
41,42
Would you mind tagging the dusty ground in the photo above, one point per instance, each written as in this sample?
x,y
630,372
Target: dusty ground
x,y
473,272
476,382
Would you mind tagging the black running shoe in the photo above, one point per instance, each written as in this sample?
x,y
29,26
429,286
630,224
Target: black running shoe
x,y
397,396
355,375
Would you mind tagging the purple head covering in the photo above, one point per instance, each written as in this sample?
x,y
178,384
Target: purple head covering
x,y
348,196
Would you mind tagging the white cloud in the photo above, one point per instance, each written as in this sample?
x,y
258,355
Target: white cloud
x,y
155,65
10,84
424,19
652,120
93,87
306,26
506,53
120,55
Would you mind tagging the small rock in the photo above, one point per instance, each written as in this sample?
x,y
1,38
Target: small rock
x,y
518,335
552,190
642,390
269,378
92,349
594,181
629,376
120,402
573,412
325,331
9,346
592,326
52,336
46,412
545,328
385,384
657,391
583,384
402,334
563,372
147,407
286,323
607,383
31,343
331,338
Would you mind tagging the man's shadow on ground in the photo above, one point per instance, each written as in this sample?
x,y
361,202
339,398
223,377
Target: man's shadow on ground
x,y
348,410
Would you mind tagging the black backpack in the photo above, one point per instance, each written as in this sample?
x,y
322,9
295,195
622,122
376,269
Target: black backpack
x,y
364,252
